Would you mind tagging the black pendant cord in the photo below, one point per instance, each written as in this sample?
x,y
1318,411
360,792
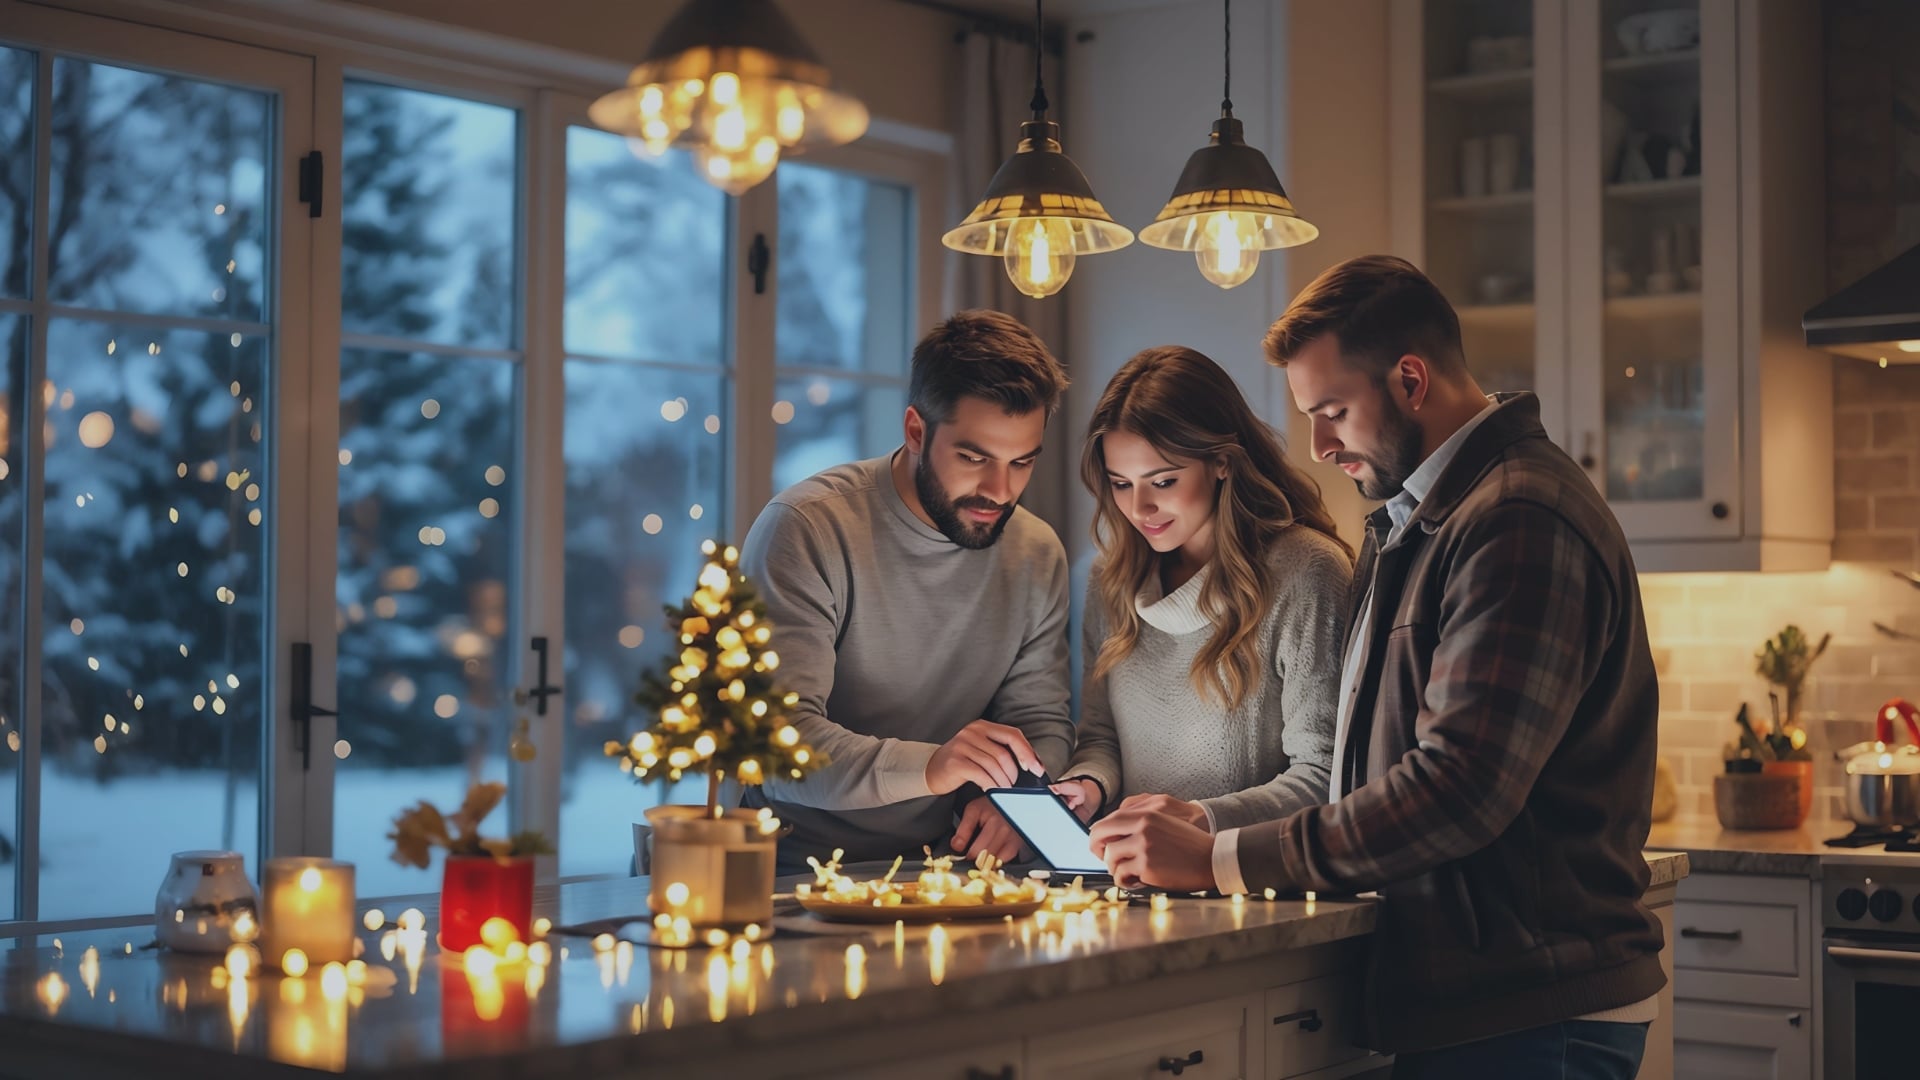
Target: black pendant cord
x,y
1226,82
1039,103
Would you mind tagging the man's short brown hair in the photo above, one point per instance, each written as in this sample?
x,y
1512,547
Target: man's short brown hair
x,y
1378,308
984,354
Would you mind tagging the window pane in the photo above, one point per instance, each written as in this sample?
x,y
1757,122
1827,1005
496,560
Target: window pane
x,y
845,271
646,255
154,609
427,491
16,177
159,193
428,223
646,482
832,421
13,361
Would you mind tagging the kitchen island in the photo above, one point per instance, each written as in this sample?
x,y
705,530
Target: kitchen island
x,y
1204,988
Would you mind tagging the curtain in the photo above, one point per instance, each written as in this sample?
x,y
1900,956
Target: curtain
x,y
996,87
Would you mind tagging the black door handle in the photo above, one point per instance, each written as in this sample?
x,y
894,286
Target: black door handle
x,y
301,692
542,689
1710,935
1309,1019
1176,1066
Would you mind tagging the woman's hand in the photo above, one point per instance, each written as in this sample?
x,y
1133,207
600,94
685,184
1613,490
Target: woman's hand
x,y
1081,796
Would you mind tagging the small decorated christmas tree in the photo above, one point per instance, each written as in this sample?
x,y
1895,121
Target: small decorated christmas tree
x,y
716,709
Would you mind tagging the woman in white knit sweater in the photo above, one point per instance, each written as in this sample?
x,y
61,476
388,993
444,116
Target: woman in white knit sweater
x,y
1214,615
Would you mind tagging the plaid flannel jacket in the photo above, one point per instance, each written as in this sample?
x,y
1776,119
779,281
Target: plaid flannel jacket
x,y
1500,759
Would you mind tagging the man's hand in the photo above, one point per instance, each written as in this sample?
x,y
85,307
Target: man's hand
x,y
984,753
1154,848
981,829
1189,812
1081,796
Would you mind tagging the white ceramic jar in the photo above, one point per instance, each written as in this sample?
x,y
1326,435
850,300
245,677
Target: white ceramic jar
x,y
202,895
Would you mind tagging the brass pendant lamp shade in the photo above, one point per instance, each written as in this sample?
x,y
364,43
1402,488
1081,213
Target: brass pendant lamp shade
x,y
1228,205
734,82
1039,213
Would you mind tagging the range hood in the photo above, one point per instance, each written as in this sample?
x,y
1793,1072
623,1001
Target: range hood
x,y
1875,318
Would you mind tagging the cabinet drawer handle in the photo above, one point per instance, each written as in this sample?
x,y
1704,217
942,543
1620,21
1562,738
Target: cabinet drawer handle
x,y
1005,1073
1710,935
1794,1019
1176,1066
1309,1019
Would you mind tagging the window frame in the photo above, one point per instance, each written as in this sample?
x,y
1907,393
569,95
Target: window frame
x,y
316,51
289,313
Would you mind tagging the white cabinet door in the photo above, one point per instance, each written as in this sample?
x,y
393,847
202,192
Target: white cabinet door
x,y
1478,192
989,1061
1654,278
1712,1041
1199,1042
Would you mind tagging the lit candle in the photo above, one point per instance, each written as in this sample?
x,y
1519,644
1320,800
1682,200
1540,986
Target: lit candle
x,y
307,904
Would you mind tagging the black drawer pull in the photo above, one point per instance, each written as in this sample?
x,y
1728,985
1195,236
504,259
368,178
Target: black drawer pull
x,y
1176,1066
1309,1019
1710,935
1005,1072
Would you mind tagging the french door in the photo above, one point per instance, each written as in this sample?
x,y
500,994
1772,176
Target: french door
x,y
156,332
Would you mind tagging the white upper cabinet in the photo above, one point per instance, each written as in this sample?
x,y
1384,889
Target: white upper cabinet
x,y
1624,199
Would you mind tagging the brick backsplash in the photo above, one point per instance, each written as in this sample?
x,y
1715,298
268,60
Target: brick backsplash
x,y
1705,628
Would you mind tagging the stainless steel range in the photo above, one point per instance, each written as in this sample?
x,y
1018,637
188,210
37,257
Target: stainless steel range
x,y
1870,922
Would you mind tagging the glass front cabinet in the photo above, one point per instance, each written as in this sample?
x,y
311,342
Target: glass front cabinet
x,y
1624,200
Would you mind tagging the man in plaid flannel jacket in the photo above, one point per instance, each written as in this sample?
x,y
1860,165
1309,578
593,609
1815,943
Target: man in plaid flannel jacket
x,y
1494,755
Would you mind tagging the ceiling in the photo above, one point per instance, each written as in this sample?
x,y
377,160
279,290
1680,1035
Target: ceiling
x,y
1057,10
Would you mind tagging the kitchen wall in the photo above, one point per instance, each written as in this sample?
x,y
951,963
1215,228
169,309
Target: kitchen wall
x,y
1706,627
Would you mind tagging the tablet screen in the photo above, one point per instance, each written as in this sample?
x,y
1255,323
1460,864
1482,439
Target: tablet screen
x,y
1049,828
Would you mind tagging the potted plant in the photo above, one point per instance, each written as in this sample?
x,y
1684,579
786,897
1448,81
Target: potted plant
x,y
1768,782
1785,662
715,711
484,877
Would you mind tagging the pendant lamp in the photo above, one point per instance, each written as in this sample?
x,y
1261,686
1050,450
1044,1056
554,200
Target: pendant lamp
x,y
1039,214
733,82
1228,206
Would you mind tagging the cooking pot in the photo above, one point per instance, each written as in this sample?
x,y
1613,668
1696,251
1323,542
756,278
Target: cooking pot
x,y
1879,796
1882,782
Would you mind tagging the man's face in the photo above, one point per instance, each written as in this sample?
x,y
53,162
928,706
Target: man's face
x,y
973,467
1359,423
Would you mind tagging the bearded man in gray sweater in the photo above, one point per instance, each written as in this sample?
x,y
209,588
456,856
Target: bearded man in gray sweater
x,y
921,613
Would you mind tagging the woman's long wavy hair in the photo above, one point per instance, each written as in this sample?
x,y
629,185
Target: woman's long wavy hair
x,y
1189,409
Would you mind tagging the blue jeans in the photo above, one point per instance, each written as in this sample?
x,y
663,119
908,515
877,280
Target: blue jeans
x,y
1572,1050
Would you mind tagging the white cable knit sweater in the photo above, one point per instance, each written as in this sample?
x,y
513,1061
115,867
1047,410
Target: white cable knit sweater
x,y
1145,730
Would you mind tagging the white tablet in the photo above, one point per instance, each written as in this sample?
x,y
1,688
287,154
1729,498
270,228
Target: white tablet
x,y
1050,830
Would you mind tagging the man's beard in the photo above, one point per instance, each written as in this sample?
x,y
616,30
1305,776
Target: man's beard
x,y
945,511
1401,440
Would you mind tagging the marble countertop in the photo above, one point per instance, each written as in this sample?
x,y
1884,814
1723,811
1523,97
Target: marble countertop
x,y
99,997
1780,852
1667,867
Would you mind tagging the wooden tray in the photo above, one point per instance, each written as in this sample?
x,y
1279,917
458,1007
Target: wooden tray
x,y
912,912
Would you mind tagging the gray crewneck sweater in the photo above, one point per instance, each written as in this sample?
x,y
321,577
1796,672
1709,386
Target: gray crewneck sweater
x,y
1145,730
895,638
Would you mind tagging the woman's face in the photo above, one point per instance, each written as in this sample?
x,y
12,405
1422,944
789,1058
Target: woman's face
x,y
1169,501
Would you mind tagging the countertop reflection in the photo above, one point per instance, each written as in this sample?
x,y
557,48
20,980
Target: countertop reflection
x,y
97,1003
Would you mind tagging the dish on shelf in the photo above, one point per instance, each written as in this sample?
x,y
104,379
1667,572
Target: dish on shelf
x,y
1658,31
